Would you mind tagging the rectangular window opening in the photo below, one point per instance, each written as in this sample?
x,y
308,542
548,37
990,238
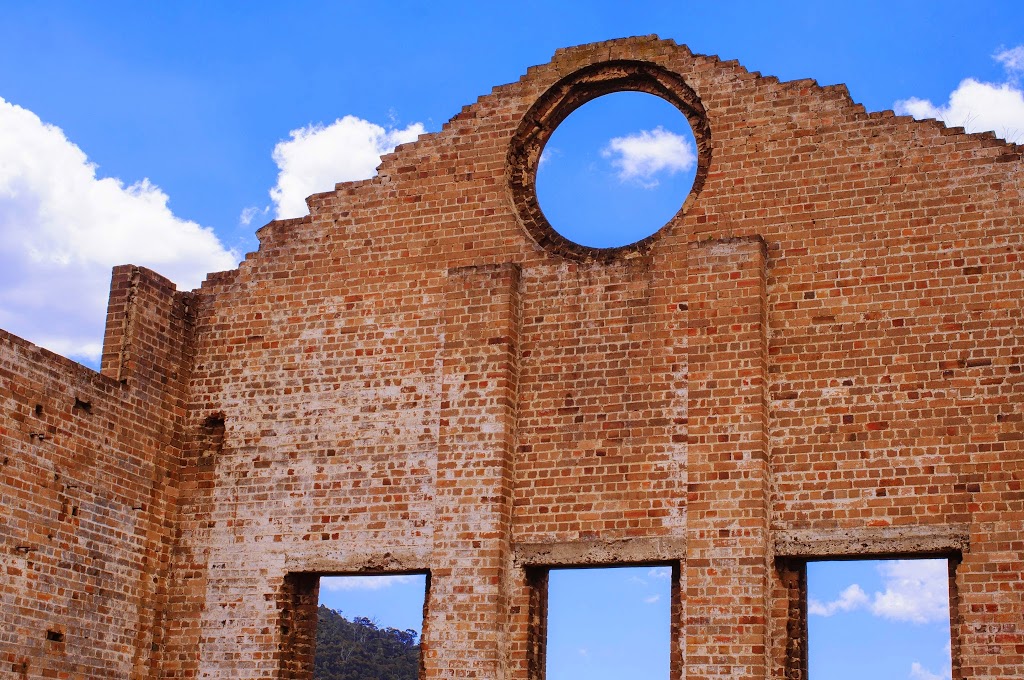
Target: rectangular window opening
x,y
605,623
880,618
369,626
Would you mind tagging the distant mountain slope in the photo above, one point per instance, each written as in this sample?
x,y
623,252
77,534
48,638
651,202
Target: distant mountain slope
x,y
359,650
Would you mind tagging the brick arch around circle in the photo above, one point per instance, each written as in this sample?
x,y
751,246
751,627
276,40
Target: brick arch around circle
x,y
564,97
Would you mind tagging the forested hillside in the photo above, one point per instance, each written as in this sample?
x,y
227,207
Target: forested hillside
x,y
359,650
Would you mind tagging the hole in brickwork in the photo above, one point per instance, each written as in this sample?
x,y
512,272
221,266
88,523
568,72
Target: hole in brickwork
x,y
879,619
54,636
214,424
617,170
370,626
82,406
608,623
39,410
209,442
643,154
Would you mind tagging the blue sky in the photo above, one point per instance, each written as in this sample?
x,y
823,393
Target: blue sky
x,y
617,169
390,601
609,623
879,619
165,134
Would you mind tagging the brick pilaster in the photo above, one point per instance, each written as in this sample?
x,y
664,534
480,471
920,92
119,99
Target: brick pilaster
x,y
728,474
469,583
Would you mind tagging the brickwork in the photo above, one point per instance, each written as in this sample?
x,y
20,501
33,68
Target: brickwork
x,y
822,354
88,488
727,560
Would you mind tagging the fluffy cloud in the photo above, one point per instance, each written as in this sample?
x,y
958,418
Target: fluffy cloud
x,y
317,157
62,228
641,156
336,583
851,598
915,591
979,106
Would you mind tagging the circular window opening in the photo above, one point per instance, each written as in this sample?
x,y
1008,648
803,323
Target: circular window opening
x,y
616,170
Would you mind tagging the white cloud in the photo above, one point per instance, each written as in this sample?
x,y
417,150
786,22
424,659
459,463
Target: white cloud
x,y
1011,59
919,672
641,156
336,583
979,106
317,157
915,591
850,599
652,599
660,572
62,228
251,213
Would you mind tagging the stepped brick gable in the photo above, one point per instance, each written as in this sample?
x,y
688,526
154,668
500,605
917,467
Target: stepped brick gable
x,y
821,355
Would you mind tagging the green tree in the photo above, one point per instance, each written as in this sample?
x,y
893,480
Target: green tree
x,y
360,650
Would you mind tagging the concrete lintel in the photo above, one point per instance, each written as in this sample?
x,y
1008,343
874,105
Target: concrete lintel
x,y
394,561
597,552
873,541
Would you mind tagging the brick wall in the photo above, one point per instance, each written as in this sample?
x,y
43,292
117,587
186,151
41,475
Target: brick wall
x,y
820,355
89,465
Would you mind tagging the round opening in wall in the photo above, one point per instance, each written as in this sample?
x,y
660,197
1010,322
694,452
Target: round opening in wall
x,y
614,151
616,170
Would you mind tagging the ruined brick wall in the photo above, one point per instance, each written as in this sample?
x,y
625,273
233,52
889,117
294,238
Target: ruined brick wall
x,y
89,463
820,355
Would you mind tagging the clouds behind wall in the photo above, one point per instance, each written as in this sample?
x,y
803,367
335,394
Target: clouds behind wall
x,y
63,227
316,157
915,591
641,156
979,106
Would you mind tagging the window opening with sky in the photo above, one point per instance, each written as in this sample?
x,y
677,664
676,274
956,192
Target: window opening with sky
x,y
609,623
617,169
879,619
369,627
